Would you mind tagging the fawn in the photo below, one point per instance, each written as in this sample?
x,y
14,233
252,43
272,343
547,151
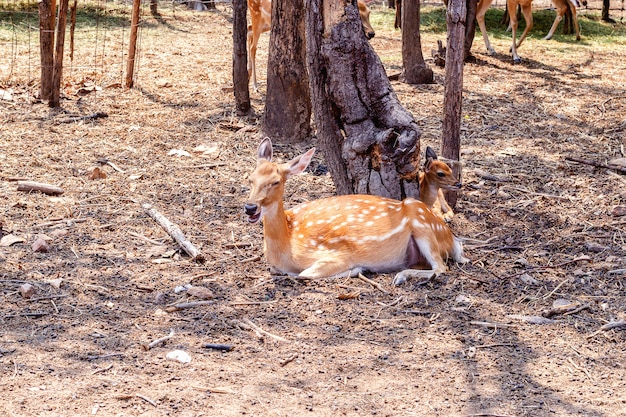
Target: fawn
x,y
435,177
344,235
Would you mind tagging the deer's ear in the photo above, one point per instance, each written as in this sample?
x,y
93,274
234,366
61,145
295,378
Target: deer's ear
x,y
430,153
299,163
264,152
428,164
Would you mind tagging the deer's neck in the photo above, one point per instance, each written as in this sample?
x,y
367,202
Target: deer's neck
x,y
277,237
428,193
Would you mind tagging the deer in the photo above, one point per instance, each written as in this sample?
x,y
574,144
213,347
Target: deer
x,y
260,17
343,236
526,6
435,177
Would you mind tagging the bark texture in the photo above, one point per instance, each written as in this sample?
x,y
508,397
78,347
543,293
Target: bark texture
x,y
370,141
453,92
240,57
287,116
414,68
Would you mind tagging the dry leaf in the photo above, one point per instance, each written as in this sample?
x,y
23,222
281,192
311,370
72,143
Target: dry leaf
x,y
208,150
349,295
56,283
9,240
97,174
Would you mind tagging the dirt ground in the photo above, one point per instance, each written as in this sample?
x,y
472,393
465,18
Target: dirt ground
x,y
539,228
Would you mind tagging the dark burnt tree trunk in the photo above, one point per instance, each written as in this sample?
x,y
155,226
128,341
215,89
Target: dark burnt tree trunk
x,y
606,7
287,116
370,142
453,92
470,30
414,68
240,57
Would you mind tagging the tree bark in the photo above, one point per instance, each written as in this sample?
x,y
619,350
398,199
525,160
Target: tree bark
x,y
57,73
370,141
397,24
47,12
470,30
132,47
453,93
287,115
240,57
414,68
606,7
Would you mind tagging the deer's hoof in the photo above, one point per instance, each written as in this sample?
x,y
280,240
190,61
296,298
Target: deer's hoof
x,y
517,60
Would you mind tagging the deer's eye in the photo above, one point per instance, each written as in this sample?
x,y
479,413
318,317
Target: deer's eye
x,y
441,174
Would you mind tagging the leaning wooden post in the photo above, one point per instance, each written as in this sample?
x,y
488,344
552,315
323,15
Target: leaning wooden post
x,y
240,60
46,46
55,97
132,48
453,92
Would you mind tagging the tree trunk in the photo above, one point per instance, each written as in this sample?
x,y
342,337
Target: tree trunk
x,y
453,94
370,141
397,24
154,8
470,30
414,68
606,7
391,4
47,12
57,73
287,116
240,57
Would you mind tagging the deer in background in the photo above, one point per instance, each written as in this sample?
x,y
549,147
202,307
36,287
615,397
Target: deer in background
x,y
436,177
345,235
526,6
261,15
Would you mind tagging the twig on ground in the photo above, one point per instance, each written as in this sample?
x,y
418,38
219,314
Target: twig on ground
x,y
147,239
182,306
289,359
97,371
35,314
49,189
213,390
493,345
545,297
251,303
146,399
175,232
490,324
97,115
108,355
580,368
527,191
217,346
617,168
608,326
248,325
372,283
159,341
48,297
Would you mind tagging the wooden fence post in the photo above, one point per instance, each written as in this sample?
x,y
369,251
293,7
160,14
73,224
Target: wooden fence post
x,y
453,92
46,46
132,48
55,98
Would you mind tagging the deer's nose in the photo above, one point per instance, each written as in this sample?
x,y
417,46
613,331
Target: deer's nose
x,y
251,209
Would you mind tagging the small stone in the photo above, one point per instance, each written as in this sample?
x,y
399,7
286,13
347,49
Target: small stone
x,y
179,356
200,292
40,245
618,211
27,290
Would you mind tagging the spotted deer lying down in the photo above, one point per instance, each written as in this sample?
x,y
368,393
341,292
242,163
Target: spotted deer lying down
x,y
345,235
435,177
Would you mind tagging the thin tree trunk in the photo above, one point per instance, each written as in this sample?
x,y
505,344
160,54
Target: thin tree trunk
x,y
606,7
57,73
287,116
414,68
132,46
353,101
47,12
470,30
453,94
240,57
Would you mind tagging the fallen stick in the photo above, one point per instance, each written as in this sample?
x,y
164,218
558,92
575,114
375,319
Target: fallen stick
x,y
49,189
175,232
217,346
213,390
93,116
597,164
183,306
159,341
489,324
608,326
289,359
372,283
146,399
248,325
